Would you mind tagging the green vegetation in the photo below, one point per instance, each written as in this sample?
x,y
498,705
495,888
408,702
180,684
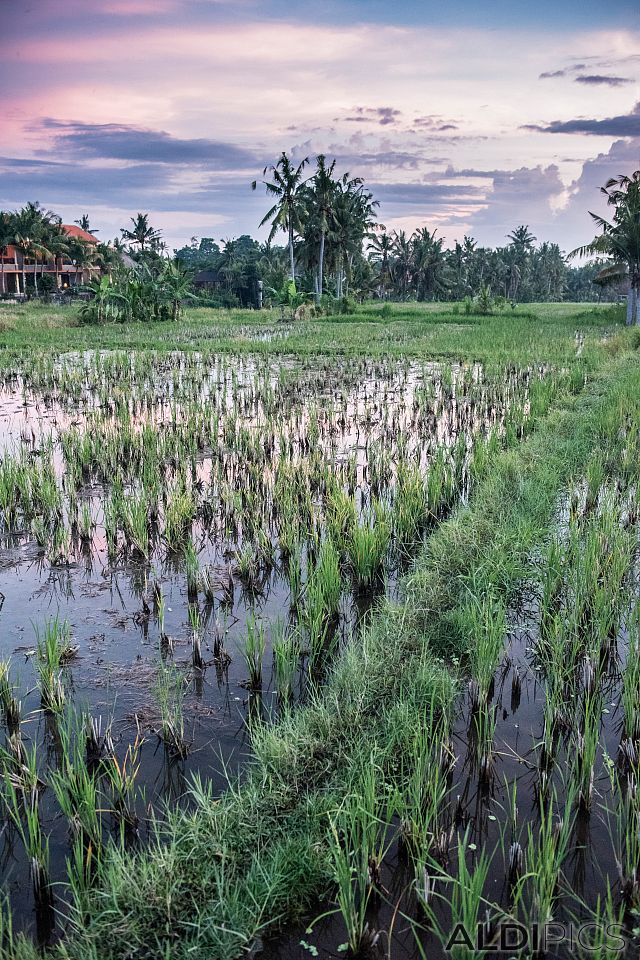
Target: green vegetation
x,y
508,468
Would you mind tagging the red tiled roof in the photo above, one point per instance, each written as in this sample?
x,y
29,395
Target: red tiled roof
x,y
73,230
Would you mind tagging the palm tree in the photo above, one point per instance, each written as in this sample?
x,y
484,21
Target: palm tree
x,y
353,219
428,263
619,239
286,212
403,262
323,197
27,226
381,247
142,233
85,225
521,238
522,242
83,255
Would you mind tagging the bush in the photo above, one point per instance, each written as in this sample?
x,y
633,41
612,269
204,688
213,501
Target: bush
x,y
347,306
387,312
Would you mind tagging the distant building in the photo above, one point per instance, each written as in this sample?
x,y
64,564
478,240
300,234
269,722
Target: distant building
x,y
14,268
208,280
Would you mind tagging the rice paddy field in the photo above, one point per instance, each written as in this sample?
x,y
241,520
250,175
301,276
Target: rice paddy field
x,y
320,638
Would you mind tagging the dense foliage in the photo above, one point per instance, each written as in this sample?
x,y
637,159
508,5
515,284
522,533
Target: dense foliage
x,y
619,239
336,253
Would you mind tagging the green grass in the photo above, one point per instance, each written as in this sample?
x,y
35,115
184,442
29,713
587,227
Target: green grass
x,y
532,331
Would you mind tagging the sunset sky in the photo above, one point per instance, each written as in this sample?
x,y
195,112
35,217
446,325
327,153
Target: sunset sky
x,y
469,117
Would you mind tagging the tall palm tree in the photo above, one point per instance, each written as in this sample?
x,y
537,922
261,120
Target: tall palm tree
x,y
323,198
286,213
619,238
141,233
381,248
403,262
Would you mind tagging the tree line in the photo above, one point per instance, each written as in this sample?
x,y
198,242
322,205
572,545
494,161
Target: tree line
x,y
336,248
336,252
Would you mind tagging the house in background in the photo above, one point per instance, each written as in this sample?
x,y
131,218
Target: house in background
x,y
208,281
16,270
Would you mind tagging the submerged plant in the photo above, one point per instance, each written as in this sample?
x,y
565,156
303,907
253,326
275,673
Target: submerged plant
x,y
170,692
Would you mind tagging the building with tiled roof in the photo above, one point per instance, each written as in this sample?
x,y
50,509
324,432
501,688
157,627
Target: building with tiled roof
x,y
17,270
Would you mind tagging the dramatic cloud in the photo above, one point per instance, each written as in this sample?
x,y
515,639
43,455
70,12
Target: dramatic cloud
x,y
175,106
625,125
122,142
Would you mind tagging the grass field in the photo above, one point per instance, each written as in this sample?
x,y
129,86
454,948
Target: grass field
x,y
468,750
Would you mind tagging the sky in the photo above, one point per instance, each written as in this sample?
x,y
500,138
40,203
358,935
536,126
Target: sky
x,y
462,116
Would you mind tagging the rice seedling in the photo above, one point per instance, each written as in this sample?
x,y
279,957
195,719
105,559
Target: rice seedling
x,y
134,517
20,765
470,911
286,655
606,936
485,621
481,739
170,692
195,620
9,704
367,547
253,652
179,514
586,740
192,570
630,692
25,816
121,776
537,890
358,840
98,744
420,801
76,790
54,646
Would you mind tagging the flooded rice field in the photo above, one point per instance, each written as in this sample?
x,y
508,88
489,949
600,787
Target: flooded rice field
x,y
186,541
517,832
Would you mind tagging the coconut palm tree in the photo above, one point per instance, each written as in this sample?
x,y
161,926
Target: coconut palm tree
x,y
322,196
85,225
381,249
286,186
403,262
27,225
141,233
619,238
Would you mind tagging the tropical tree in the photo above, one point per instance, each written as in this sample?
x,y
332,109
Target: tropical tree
x,y
142,234
85,225
381,250
7,235
176,283
619,238
286,186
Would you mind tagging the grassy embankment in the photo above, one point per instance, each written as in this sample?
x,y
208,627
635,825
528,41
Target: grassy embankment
x,y
220,873
530,333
